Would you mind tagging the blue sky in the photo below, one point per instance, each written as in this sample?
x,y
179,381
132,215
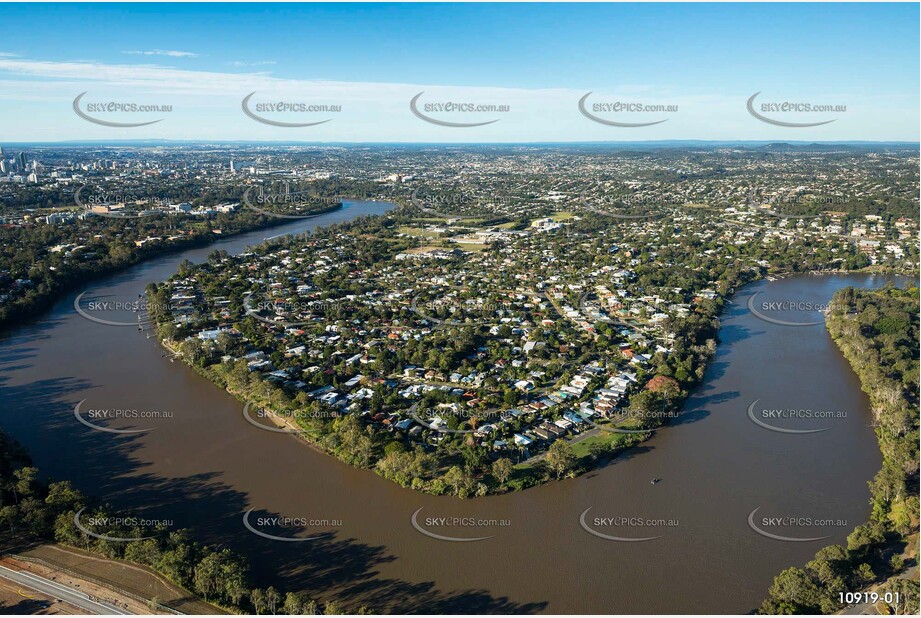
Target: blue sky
x,y
701,62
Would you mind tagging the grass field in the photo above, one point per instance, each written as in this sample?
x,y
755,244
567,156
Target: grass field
x,y
422,249
417,231
606,438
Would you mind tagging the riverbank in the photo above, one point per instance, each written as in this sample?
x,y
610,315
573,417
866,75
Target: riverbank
x,y
430,463
205,467
279,420
526,475
126,556
17,312
863,325
594,446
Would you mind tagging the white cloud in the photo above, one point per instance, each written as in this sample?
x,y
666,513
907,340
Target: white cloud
x,y
260,63
38,95
163,52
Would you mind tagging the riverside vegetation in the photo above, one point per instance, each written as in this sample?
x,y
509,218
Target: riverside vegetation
x,y
877,331
339,350
34,510
461,464
101,246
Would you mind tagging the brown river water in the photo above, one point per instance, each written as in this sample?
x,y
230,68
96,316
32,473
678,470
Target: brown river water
x,y
201,465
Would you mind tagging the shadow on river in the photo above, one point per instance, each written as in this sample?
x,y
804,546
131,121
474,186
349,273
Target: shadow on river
x,y
204,467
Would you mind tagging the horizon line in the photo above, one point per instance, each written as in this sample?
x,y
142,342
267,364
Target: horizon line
x,y
484,143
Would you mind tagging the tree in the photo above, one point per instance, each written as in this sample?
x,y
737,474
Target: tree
x,y
863,537
667,387
221,575
311,608
795,588
502,470
597,450
459,481
294,603
272,597
208,576
830,563
865,573
257,598
26,482
907,602
145,552
473,455
9,515
236,586
194,350
900,515
560,458
63,497
177,562
397,466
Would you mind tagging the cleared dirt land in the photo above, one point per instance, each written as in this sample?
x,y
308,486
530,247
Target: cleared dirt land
x,y
119,576
19,601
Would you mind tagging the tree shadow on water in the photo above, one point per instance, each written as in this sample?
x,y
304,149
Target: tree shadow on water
x,y
106,467
346,570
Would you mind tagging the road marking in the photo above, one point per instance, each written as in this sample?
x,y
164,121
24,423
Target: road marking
x,y
106,609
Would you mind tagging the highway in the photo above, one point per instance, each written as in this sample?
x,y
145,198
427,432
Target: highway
x,y
60,591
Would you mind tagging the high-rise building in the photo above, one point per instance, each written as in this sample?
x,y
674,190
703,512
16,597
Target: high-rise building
x,y
233,170
21,161
3,166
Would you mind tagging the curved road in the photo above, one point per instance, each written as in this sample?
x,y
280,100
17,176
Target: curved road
x,y
60,591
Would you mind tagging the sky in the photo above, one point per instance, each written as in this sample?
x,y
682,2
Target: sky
x,y
350,72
